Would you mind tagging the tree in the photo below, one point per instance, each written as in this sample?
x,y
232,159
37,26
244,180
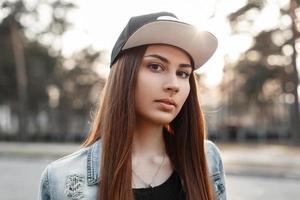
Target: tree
x,y
268,68
27,65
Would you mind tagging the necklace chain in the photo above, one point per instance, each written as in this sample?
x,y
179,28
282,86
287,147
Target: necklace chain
x,y
149,185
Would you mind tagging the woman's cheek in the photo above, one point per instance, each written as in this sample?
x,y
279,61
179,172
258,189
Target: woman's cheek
x,y
186,93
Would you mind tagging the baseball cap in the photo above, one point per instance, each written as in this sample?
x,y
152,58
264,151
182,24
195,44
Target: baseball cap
x,y
166,28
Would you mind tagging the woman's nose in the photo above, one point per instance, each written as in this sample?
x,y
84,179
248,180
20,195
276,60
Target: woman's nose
x,y
171,84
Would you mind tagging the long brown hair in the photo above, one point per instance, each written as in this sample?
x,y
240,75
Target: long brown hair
x,y
114,123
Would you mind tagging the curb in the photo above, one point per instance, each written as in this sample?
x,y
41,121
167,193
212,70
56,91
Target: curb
x,y
239,169
36,150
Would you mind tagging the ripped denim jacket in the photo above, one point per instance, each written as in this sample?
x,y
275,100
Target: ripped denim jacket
x,y
75,177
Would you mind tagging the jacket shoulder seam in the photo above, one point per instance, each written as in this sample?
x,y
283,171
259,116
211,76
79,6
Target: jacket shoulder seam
x,y
78,152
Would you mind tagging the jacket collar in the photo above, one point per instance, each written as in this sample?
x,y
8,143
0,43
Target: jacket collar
x,y
93,162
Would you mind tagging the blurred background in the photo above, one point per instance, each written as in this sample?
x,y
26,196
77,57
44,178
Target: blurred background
x,y
54,61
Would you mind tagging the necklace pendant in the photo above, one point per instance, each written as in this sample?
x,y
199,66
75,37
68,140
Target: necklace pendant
x,y
150,186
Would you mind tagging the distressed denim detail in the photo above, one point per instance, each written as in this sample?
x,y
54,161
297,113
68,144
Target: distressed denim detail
x,y
74,186
218,184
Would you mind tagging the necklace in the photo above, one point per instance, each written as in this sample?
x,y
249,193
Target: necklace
x,y
149,185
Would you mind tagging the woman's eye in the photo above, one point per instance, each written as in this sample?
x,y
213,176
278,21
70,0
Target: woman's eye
x,y
183,74
155,67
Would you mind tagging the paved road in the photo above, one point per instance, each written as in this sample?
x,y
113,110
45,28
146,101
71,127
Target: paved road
x,y
258,188
19,180
19,177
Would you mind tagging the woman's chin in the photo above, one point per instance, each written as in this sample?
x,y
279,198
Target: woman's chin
x,y
157,118
163,120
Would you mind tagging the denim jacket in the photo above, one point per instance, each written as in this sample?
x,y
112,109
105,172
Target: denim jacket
x,y
75,177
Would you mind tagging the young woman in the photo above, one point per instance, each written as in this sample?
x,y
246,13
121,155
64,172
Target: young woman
x,y
148,136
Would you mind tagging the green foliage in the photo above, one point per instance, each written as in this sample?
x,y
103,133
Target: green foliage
x,y
8,83
44,64
78,82
257,70
63,96
40,70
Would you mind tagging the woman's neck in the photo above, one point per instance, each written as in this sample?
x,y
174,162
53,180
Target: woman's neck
x,y
148,140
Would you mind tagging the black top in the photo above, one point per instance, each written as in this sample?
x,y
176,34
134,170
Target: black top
x,y
170,189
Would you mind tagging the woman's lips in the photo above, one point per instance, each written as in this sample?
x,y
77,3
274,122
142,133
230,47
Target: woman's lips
x,y
166,105
167,101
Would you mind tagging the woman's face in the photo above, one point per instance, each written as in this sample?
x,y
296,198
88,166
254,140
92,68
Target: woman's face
x,y
162,84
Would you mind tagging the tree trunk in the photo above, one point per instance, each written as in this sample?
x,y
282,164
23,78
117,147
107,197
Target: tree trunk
x,y
21,76
295,129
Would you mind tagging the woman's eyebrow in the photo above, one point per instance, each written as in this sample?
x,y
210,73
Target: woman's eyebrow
x,y
186,66
165,60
